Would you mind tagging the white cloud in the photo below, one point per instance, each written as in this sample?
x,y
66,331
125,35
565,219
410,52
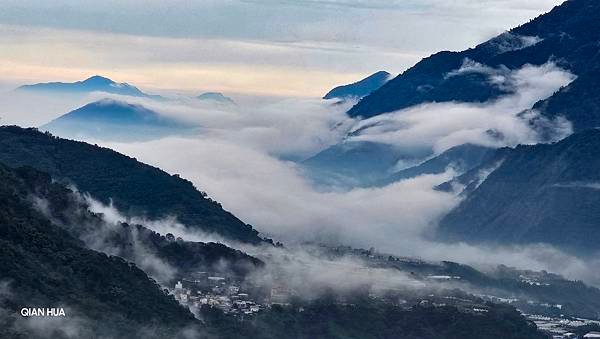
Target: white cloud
x,y
271,195
238,161
444,125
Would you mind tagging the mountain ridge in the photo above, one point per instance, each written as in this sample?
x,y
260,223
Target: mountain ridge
x,y
95,83
42,264
133,187
543,193
360,88
461,158
564,35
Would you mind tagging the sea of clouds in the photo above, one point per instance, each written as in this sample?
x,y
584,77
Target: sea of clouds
x,y
246,156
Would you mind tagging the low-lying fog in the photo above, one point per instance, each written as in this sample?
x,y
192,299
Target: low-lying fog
x,y
246,157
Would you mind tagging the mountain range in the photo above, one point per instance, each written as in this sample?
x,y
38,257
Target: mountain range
x,y
375,164
54,250
562,36
95,83
52,253
530,194
566,35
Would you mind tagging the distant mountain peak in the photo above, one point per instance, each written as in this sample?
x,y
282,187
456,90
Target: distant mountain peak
x,y
381,74
216,97
98,80
109,119
116,104
110,109
360,88
95,83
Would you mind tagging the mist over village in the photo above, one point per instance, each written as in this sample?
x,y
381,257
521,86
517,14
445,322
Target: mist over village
x,y
300,169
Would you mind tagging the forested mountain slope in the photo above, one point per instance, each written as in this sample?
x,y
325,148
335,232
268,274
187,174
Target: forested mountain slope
x,y
547,193
133,187
42,265
568,35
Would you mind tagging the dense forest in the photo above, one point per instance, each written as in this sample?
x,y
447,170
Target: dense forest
x,y
42,265
133,242
133,187
541,193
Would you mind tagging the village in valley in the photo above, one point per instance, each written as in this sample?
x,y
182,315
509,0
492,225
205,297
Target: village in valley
x,y
227,294
243,298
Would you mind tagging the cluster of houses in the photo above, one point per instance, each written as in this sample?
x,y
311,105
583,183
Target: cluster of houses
x,y
571,335
533,281
563,328
225,294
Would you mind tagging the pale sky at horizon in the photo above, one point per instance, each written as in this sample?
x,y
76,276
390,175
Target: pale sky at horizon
x,y
266,47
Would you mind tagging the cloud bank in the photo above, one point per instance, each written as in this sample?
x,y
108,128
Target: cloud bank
x,y
441,126
245,156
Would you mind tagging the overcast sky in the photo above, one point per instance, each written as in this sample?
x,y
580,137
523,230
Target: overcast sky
x,y
272,47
